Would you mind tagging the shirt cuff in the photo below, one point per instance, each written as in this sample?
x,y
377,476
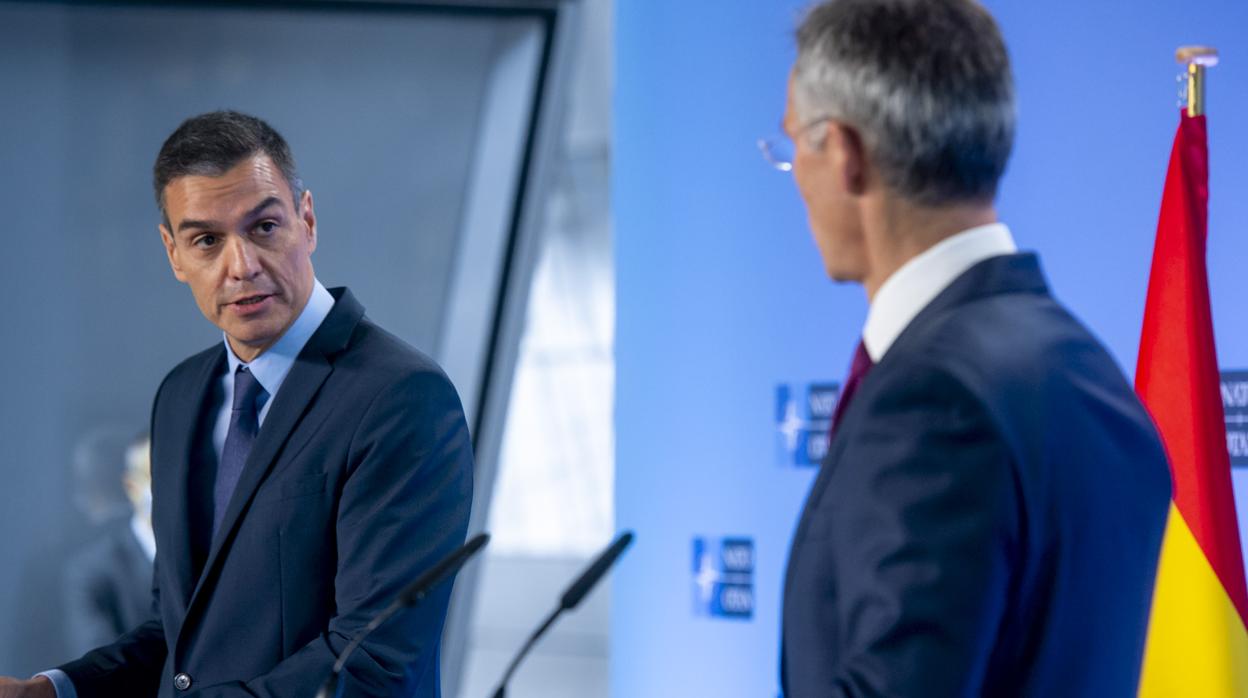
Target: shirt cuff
x,y
60,682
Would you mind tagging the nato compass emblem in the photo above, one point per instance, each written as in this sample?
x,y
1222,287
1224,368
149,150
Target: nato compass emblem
x,y
723,578
803,417
1235,405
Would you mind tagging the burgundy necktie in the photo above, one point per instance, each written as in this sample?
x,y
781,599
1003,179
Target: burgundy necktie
x,y
857,370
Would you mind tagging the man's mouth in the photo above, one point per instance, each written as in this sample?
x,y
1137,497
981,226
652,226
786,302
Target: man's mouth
x,y
251,300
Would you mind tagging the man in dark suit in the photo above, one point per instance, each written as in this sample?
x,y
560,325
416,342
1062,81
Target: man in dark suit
x,y
989,514
108,581
303,471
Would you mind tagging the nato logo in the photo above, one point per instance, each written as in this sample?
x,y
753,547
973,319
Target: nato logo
x,y
1235,405
723,578
803,417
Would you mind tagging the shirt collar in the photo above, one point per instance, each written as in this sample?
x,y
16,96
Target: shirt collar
x,y
921,279
271,367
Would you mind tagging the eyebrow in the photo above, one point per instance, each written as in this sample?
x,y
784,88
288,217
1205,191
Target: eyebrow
x,y
206,225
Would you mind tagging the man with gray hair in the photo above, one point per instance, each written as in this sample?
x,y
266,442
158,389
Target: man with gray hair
x,y
988,517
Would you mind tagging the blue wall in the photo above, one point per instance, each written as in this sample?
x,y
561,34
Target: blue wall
x,y
721,295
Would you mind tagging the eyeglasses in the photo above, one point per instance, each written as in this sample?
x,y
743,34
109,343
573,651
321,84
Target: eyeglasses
x,y
779,150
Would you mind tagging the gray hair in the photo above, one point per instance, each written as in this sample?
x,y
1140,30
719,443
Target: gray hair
x,y
926,83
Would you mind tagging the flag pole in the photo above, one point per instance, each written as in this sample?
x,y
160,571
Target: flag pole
x,y
1196,58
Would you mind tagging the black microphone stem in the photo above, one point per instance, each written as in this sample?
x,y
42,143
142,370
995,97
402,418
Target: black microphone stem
x,y
410,596
373,624
330,687
528,645
570,600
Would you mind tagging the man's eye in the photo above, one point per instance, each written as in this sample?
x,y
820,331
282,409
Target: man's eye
x,y
267,227
205,241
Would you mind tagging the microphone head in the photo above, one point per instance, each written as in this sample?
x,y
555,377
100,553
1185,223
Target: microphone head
x,y
582,586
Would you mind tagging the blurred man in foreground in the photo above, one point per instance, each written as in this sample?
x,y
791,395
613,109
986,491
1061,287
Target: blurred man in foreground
x,y
304,470
988,517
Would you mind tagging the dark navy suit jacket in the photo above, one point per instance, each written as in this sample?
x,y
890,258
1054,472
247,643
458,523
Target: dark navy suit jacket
x,y
359,479
989,515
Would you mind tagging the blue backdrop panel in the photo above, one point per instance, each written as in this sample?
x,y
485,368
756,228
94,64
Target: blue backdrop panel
x,y
730,339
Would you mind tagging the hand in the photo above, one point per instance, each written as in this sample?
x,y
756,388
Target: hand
x,y
38,687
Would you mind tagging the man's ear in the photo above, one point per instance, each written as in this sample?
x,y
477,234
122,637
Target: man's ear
x,y
171,251
849,157
307,214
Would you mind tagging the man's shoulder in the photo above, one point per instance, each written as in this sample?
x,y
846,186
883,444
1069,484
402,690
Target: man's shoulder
x,y
380,376
374,350
191,368
1001,354
1000,338
1022,360
377,367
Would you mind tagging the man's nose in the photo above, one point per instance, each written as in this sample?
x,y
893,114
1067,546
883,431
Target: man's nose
x,y
241,259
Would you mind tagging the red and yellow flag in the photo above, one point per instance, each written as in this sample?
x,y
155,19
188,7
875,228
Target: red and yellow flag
x,y
1197,644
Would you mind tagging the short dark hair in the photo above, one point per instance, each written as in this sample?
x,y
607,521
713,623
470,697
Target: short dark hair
x,y
212,143
927,84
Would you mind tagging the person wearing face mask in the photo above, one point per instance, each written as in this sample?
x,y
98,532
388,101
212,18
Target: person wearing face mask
x,y
108,582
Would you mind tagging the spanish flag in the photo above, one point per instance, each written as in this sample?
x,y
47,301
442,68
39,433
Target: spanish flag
x,y
1197,644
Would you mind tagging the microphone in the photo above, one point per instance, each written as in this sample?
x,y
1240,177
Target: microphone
x,y
570,599
410,596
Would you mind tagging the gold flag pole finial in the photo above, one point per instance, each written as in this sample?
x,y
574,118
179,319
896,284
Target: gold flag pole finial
x,y
1196,58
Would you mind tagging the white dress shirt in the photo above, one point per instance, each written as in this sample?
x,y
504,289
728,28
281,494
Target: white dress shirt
x,y
913,286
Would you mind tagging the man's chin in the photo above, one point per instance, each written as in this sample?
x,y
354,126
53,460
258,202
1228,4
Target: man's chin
x,y
250,339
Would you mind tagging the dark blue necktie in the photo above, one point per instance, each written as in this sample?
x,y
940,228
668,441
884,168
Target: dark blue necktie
x,y
244,423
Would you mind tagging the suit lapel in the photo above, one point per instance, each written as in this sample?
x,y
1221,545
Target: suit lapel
x,y
176,457
311,369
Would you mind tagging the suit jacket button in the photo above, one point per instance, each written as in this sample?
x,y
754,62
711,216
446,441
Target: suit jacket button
x,y
182,682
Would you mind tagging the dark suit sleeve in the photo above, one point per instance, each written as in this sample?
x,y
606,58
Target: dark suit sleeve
x,y
403,506
925,524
